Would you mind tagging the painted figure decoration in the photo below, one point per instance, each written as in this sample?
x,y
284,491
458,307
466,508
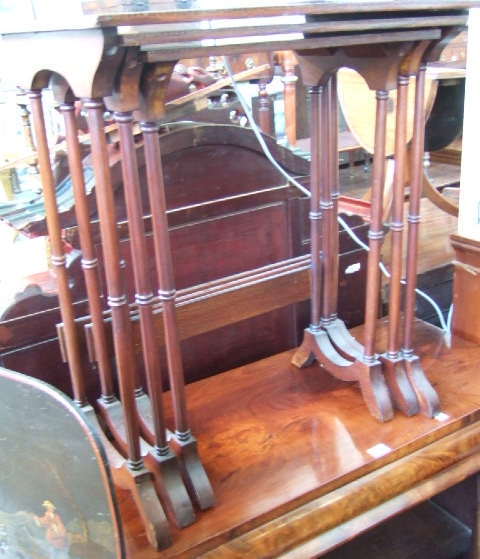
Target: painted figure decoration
x,y
56,495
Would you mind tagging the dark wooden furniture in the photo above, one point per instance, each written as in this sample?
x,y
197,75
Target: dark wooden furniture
x,y
155,456
256,220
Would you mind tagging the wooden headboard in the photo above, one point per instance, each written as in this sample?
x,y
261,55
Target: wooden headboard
x,y
239,233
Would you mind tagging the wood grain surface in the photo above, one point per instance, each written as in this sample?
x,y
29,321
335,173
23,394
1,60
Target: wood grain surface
x,y
287,452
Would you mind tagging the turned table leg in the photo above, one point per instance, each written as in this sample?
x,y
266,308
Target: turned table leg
x,y
195,477
161,459
316,343
426,394
395,375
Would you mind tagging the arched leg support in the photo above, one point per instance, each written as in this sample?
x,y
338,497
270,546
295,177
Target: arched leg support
x,y
369,375
346,345
140,482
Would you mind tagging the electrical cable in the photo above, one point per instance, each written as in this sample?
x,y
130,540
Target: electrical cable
x,y
257,132
449,318
307,193
386,273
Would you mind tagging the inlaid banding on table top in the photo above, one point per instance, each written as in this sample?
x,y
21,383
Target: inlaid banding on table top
x,y
133,37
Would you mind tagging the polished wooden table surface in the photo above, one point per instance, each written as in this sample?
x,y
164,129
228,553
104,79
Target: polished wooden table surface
x,y
291,454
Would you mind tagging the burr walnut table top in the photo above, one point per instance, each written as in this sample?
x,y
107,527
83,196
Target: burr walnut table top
x,y
298,464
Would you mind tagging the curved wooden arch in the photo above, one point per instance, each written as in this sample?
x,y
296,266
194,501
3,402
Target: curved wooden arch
x,y
437,198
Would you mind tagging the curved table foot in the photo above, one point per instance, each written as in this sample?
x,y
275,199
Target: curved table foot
x,y
140,484
426,394
164,466
112,416
403,395
430,192
346,345
194,475
170,486
317,345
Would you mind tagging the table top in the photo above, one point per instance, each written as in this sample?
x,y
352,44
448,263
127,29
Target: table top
x,y
197,9
39,15
167,31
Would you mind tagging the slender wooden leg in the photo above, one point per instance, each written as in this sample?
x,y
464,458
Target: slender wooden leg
x,y
375,233
334,193
316,343
139,480
89,260
195,477
108,404
58,258
132,472
426,394
306,354
326,205
161,458
394,371
264,112
338,333
315,213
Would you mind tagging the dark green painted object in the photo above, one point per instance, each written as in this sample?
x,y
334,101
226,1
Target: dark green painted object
x,y
56,492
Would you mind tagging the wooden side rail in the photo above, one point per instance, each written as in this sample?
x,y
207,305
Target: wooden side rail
x,y
219,303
